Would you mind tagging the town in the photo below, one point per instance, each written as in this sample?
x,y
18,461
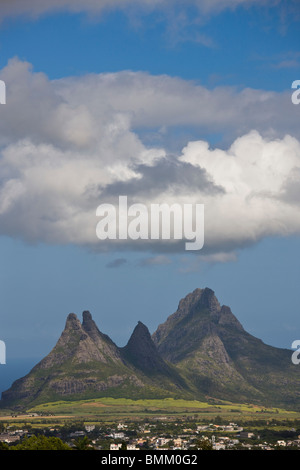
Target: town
x,y
156,433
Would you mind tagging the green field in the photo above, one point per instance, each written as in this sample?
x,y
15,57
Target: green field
x,y
126,407
111,409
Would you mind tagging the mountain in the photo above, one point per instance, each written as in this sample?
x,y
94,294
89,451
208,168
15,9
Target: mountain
x,y
142,353
86,363
207,343
201,352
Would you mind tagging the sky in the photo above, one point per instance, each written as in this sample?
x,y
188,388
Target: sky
x,y
176,102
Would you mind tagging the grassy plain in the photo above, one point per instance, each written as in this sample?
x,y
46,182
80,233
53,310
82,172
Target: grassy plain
x,y
106,409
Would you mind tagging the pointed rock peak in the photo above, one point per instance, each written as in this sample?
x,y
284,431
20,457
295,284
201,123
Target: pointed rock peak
x,y
207,295
72,322
141,328
86,315
89,325
198,299
87,318
103,341
140,338
142,353
71,317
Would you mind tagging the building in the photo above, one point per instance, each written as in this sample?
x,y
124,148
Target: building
x,y
89,427
8,438
162,441
246,435
115,446
118,435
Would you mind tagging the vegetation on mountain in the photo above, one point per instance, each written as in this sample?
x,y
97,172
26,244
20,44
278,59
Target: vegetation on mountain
x,y
201,352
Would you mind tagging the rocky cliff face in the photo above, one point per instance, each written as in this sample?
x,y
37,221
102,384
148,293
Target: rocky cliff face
x,y
86,363
83,362
208,344
201,351
81,344
142,353
199,315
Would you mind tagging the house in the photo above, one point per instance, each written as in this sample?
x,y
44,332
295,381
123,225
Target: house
x,y
122,426
202,428
219,446
246,435
281,443
178,442
162,441
77,434
89,427
118,435
141,441
5,437
115,446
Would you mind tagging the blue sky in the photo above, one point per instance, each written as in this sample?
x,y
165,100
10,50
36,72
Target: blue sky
x,y
251,47
185,101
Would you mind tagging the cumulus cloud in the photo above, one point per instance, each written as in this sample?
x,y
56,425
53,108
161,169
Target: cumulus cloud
x,y
79,111
162,101
68,146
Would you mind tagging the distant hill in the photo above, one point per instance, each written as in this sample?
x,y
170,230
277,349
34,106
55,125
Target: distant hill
x,y
200,352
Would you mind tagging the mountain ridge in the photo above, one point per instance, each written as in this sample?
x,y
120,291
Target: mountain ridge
x,y
201,350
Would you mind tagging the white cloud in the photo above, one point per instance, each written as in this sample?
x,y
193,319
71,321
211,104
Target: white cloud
x,y
79,111
254,172
163,101
67,146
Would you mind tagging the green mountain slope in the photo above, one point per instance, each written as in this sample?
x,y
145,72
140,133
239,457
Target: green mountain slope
x,y
85,363
209,345
200,352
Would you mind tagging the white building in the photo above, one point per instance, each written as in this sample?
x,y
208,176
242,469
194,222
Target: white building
x,y
89,427
115,446
281,443
118,435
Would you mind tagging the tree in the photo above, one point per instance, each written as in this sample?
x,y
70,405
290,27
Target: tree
x,y
3,446
204,444
123,446
2,427
41,442
82,443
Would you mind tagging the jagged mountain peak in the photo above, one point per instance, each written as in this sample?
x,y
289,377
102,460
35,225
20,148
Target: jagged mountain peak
x,y
86,316
140,346
72,321
201,349
107,348
142,353
140,332
198,299
199,315
88,324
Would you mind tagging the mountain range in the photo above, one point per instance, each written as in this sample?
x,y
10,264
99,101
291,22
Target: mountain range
x,y
200,352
